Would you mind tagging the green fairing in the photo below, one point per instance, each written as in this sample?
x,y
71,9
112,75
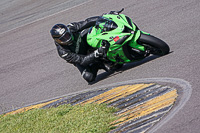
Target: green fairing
x,y
102,32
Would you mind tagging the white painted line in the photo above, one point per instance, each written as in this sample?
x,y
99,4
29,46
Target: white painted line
x,y
46,17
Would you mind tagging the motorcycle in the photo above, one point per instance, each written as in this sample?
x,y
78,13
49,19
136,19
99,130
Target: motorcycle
x,y
123,40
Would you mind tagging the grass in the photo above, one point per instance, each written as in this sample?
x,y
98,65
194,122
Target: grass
x,y
90,118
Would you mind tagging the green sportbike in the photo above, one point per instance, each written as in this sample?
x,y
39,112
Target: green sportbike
x,y
123,40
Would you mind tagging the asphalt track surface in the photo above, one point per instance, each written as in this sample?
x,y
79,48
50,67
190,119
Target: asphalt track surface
x,y
31,70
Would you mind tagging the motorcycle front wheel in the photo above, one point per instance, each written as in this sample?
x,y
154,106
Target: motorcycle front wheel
x,y
155,45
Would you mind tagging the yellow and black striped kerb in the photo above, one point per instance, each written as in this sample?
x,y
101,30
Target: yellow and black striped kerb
x,y
141,105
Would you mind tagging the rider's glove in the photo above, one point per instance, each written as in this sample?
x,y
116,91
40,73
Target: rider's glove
x,y
100,52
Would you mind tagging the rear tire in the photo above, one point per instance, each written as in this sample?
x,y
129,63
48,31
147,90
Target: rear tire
x,y
155,45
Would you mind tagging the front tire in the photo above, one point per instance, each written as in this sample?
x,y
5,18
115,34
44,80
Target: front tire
x,y
155,45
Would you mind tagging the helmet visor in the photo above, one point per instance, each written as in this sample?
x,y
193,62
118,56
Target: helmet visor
x,y
65,39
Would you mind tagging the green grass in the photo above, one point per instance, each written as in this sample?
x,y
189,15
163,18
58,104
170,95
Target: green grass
x,y
90,118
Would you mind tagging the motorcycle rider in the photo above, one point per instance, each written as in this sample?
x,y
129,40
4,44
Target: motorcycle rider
x,y
72,46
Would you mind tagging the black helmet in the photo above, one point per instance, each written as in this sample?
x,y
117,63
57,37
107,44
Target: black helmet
x,y
61,34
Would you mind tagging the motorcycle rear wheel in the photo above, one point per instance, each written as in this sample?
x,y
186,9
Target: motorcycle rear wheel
x,y
155,45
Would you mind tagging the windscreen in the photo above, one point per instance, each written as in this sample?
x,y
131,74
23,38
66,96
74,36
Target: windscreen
x,y
104,24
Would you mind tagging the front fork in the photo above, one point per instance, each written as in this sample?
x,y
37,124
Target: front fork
x,y
136,46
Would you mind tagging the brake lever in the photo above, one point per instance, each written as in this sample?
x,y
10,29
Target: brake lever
x,y
120,11
117,12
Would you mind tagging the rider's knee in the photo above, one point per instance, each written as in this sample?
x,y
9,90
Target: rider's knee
x,y
88,76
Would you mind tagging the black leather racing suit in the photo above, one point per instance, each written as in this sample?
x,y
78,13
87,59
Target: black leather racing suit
x,y
78,53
